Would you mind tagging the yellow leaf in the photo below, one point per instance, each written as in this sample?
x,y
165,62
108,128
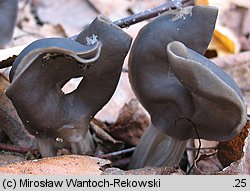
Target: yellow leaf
x,y
220,4
201,2
224,42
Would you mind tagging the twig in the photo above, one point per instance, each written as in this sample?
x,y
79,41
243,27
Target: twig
x,y
14,148
114,154
93,7
148,14
136,18
151,13
202,148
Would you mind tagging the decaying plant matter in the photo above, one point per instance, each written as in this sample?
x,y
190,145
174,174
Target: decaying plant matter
x,y
186,95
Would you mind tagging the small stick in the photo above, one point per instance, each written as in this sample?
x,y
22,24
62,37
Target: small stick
x,y
148,14
202,148
14,148
136,18
113,154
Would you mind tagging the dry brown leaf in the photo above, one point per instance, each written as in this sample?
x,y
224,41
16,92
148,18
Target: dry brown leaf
x,y
242,166
131,123
61,165
106,143
10,123
245,161
231,151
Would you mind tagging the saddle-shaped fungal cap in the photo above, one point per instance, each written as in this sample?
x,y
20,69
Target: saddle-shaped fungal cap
x,y
193,26
8,15
45,66
173,107
186,95
217,107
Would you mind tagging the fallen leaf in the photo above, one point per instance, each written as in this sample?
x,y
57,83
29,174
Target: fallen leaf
x,y
9,53
73,16
142,5
242,166
113,9
232,150
246,158
10,123
207,164
105,141
61,165
156,171
242,3
145,171
224,42
230,37
6,159
131,123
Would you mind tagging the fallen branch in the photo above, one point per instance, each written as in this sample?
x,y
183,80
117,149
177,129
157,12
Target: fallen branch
x,y
117,153
133,19
148,14
14,148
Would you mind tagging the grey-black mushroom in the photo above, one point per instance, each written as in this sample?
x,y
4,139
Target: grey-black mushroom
x,y
41,70
8,16
186,95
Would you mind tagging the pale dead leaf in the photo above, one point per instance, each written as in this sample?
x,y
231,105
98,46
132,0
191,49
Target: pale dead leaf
x,y
242,3
113,9
71,15
61,165
142,5
10,52
145,171
6,159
